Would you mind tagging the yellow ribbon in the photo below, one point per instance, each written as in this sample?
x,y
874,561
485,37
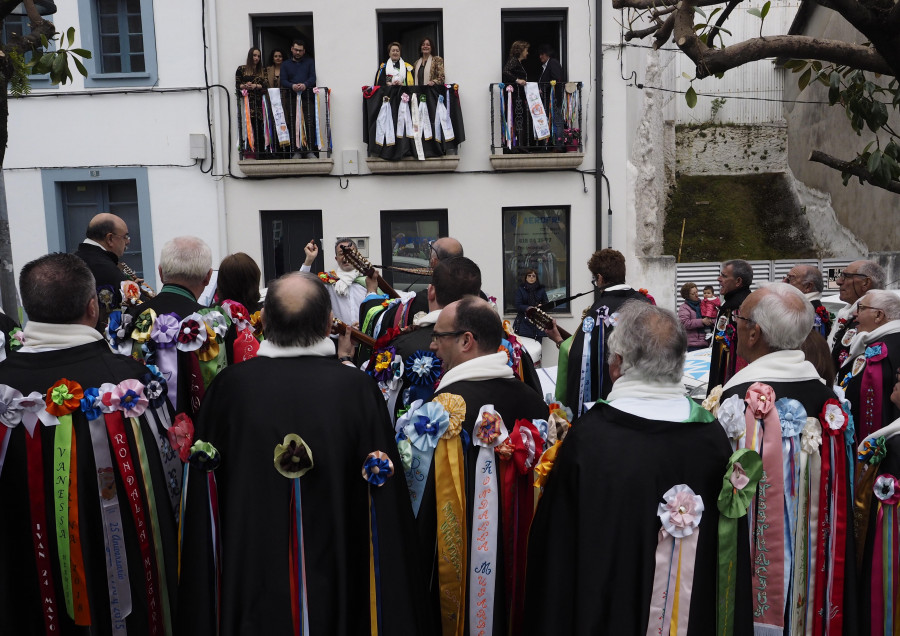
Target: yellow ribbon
x,y
546,465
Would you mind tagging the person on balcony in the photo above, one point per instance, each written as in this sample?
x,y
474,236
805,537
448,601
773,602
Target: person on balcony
x,y
249,77
428,69
395,72
552,71
515,74
272,74
297,75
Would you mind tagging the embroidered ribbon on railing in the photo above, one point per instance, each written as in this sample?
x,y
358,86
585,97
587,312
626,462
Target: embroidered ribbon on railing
x,y
328,115
267,131
872,451
404,120
831,547
202,456
293,459
115,426
538,114
384,124
165,333
424,120
416,129
510,138
316,117
870,390
248,121
376,470
117,578
767,529
443,127
281,127
738,490
521,452
884,576
488,433
423,425
554,129
450,492
676,552
302,141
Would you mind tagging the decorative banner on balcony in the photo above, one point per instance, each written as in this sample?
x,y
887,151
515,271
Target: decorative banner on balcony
x,y
281,127
538,115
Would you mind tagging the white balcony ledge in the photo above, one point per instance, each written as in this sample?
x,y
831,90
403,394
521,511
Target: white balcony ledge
x,y
446,163
537,161
285,167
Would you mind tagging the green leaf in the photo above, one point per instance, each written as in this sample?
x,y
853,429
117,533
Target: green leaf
x,y
70,34
878,116
44,41
765,9
874,162
686,76
82,52
700,11
755,12
80,66
691,97
715,11
720,75
803,82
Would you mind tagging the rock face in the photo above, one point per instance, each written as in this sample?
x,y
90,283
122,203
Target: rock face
x,y
729,149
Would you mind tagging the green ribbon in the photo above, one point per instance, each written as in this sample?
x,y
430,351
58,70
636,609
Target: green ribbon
x,y
562,373
62,453
175,289
733,504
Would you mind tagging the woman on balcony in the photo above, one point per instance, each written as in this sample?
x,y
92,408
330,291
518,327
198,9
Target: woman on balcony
x,y
272,74
428,69
513,71
394,72
249,82
514,74
249,76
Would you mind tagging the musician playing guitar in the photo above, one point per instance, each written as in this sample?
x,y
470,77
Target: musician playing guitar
x,y
346,286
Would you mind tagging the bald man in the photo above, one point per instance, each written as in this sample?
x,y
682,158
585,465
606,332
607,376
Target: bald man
x,y
296,386
106,240
808,279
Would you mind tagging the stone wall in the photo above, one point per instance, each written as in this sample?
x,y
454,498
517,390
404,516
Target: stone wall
x,y
730,149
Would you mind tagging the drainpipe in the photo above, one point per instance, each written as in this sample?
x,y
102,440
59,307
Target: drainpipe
x,y
222,156
598,159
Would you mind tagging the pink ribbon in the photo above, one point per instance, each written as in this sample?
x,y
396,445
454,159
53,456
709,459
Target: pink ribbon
x,y
870,390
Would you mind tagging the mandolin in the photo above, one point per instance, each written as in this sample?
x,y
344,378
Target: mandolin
x,y
364,267
339,328
148,291
542,320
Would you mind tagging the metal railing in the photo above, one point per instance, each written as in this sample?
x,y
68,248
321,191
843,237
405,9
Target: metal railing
x,y
551,123
267,121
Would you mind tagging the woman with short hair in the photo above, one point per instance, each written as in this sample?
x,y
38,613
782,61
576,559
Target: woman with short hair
x,y
693,322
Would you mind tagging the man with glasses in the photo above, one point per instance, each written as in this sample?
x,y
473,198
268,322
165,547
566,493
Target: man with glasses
x,y
106,240
297,75
854,282
808,279
734,285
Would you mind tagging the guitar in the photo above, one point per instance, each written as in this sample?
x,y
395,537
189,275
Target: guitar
x,y
542,320
148,291
364,267
340,328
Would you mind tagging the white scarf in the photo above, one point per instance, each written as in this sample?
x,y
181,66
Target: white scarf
x,y
490,367
427,319
427,70
46,336
324,348
650,400
344,281
780,366
811,296
390,71
844,313
863,338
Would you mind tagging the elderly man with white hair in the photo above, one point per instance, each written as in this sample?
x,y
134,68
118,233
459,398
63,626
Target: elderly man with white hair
x,y
868,374
779,406
855,281
645,444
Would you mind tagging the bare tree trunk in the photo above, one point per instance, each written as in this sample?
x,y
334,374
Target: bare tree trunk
x,y
8,293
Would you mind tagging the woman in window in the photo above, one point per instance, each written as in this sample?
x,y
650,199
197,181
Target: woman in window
x,y
394,72
272,73
513,71
529,294
428,69
249,78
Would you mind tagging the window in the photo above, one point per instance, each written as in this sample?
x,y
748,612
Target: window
x,y
536,238
405,238
13,25
408,28
284,234
121,37
537,27
278,32
73,196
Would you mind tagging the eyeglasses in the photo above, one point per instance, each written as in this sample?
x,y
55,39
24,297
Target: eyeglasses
x,y
435,335
860,307
844,275
787,278
737,314
125,237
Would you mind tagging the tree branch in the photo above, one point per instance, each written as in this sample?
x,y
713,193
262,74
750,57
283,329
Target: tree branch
x,y
642,33
660,4
856,170
711,38
664,33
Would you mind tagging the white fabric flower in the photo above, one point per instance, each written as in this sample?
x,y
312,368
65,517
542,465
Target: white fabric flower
x,y
711,403
834,417
681,511
731,417
811,436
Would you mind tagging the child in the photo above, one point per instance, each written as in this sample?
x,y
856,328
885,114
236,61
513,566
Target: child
x,y
709,307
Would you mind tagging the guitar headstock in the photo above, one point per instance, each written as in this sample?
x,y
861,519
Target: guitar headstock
x,y
539,318
360,262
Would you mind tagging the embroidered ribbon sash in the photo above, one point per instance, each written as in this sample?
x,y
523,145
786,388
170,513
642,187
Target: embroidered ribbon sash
x,y
538,115
384,124
805,536
423,425
884,576
584,384
443,127
281,127
417,129
871,389
376,470
510,138
404,120
424,120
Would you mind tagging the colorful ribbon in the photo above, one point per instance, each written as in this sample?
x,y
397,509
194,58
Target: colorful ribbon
x,y
248,121
871,389
884,576
376,470
423,425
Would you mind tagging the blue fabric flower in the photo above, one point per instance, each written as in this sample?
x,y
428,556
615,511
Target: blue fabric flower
x,y
426,425
90,404
792,416
115,321
377,468
155,386
874,350
506,344
423,368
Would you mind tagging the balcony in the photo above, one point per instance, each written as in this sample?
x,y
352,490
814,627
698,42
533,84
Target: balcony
x,y
536,129
271,143
412,128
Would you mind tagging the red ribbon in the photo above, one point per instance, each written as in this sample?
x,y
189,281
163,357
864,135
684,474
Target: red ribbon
x,y
39,528
115,425
197,388
245,346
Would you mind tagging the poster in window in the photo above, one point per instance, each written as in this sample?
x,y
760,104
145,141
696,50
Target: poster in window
x,y
538,239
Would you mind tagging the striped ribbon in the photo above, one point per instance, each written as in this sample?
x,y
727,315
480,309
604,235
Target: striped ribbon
x,y
248,121
510,139
62,453
299,606
267,132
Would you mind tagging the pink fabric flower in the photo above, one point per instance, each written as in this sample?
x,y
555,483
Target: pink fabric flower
x,y
738,477
760,399
181,436
129,397
681,511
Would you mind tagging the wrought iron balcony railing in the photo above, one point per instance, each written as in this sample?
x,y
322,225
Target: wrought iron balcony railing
x,y
268,124
538,117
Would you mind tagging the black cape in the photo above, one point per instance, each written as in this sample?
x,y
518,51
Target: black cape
x,y
108,276
90,365
594,536
724,360
340,413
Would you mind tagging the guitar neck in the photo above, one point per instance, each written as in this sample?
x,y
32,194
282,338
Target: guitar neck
x,y
387,289
356,335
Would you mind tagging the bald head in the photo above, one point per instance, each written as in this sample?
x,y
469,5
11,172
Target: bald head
x,y
110,231
297,312
806,278
445,248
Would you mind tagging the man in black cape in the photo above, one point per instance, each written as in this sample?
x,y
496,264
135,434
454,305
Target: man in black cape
x,y
466,337
734,285
808,279
591,563
773,322
280,540
854,282
572,388
113,459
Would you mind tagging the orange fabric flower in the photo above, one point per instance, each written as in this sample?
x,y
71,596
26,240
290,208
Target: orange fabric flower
x,y
64,397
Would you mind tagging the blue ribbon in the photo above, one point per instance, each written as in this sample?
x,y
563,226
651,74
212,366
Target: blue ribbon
x,y
424,427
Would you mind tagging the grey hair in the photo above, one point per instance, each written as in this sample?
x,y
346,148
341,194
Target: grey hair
x,y
813,276
740,269
886,301
343,239
185,258
651,341
784,316
875,273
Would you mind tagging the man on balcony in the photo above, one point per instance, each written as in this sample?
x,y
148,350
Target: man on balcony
x,y
297,75
552,71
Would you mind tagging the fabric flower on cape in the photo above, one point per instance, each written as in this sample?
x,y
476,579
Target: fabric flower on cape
x,y
143,326
873,450
64,397
90,404
106,297
131,292
526,449
192,333
680,511
237,313
887,489
10,408
129,397
489,428
209,350
124,329
34,403
216,320
426,425
792,416
731,417
382,369
106,391
423,367
833,418
403,418
293,457
256,323
456,411
155,386
760,399
811,436
377,468
181,436
204,456
711,403
165,330
16,339
739,483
